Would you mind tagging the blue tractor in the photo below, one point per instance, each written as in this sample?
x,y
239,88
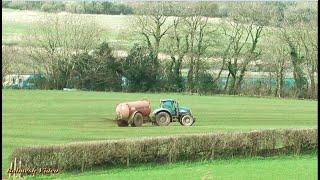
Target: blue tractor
x,y
170,111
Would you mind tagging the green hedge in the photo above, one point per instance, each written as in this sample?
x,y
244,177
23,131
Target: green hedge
x,y
84,155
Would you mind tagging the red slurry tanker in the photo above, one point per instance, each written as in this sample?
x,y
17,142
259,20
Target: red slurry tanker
x,y
133,113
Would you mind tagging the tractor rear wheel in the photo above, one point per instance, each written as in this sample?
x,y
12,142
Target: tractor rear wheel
x,y
187,120
137,120
163,119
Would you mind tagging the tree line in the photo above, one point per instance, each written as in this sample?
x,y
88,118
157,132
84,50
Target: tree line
x,y
86,7
212,9
283,39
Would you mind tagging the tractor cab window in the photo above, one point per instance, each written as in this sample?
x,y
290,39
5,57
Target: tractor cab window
x,y
167,104
170,105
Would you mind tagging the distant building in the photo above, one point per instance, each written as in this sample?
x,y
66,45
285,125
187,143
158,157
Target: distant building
x,y
24,81
15,79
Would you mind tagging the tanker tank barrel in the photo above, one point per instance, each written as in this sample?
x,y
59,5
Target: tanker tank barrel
x,y
127,110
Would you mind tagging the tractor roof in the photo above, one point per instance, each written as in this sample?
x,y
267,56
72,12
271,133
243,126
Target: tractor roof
x,y
163,100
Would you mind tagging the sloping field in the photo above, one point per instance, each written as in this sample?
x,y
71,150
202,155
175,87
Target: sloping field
x,y
55,117
17,23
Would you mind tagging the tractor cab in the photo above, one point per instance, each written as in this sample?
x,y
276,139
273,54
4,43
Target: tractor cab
x,y
171,105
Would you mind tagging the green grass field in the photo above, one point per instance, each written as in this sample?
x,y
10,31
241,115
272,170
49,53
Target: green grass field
x,y
280,167
35,117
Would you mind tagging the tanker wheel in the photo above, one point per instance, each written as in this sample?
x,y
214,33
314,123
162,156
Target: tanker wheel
x,y
137,120
163,119
187,120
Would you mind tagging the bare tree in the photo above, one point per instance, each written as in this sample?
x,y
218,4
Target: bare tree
x,y
281,64
238,37
299,31
307,35
196,26
251,55
153,27
276,58
225,54
177,46
246,25
8,57
59,37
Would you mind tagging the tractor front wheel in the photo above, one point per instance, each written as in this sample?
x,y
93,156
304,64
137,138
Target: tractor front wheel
x,y
187,120
137,120
163,119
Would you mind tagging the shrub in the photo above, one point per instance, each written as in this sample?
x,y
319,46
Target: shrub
x,y
84,155
205,84
142,70
74,7
52,7
6,4
38,81
28,5
98,71
125,9
174,81
92,7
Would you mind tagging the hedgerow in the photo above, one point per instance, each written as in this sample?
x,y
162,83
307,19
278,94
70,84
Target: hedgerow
x,y
85,155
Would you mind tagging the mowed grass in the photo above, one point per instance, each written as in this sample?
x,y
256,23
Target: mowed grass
x,y
278,167
38,117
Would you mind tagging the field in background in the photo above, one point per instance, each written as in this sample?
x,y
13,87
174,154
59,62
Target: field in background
x,y
54,117
118,30
17,23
